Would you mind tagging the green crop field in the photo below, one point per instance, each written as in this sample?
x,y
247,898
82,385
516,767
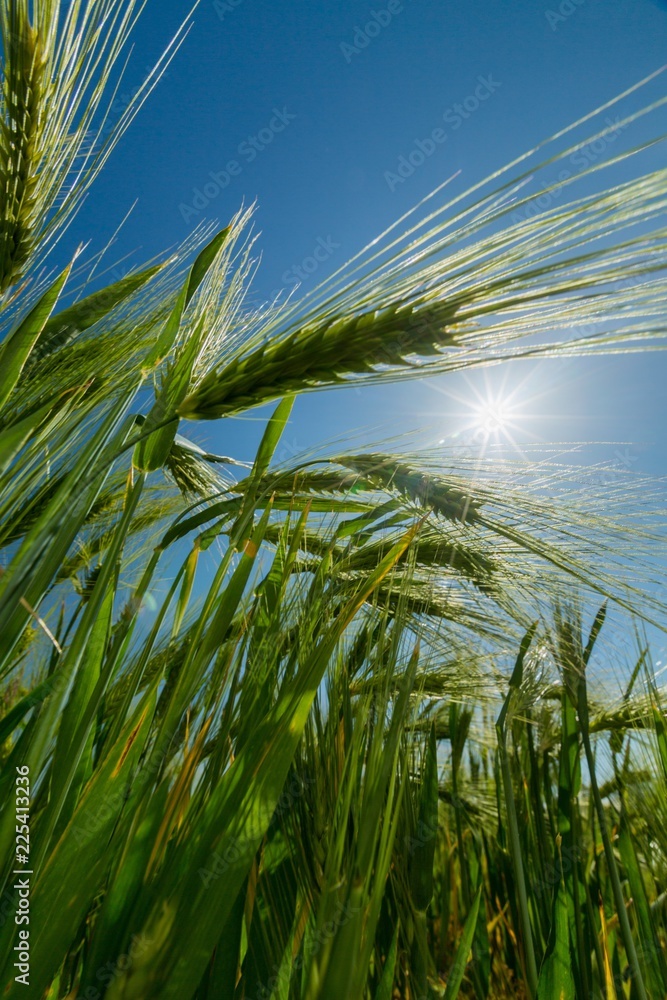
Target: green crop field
x,y
329,727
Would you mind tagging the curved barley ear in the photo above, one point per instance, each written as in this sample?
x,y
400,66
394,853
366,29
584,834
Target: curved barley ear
x,y
387,471
24,93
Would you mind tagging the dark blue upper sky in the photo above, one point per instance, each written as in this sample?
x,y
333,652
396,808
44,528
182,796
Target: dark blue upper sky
x,y
294,106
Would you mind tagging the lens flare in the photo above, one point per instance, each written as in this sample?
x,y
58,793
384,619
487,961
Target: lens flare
x,y
493,416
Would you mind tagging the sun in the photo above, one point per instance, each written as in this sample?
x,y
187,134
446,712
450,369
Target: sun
x,y
493,413
492,416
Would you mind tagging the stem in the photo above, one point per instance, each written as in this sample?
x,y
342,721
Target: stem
x,y
515,852
623,920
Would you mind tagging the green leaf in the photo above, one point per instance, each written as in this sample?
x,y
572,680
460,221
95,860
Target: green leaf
x,y
204,260
267,446
16,349
458,969
69,769
84,314
186,923
13,718
423,850
386,985
198,272
151,453
517,674
516,853
215,630
556,980
650,952
112,926
223,974
79,668
45,546
661,737
83,849
15,436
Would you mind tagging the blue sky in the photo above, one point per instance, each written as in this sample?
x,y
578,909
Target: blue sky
x,y
316,117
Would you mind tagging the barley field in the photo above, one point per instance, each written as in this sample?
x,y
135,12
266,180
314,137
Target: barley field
x,y
336,725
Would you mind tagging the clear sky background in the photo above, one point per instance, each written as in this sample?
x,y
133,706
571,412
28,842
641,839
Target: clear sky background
x,y
322,179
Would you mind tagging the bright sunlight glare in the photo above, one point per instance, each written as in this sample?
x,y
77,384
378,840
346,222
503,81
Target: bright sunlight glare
x,y
492,412
493,416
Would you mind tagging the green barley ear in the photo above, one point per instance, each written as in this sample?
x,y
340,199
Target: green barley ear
x,y
324,353
57,85
188,466
445,498
23,90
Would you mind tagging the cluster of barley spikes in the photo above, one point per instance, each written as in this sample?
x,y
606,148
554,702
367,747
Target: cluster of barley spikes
x,y
329,729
